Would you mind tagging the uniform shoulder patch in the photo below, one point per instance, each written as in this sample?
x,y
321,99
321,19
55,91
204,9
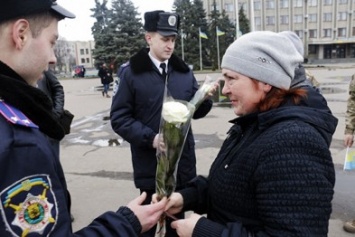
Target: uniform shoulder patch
x,y
28,206
15,116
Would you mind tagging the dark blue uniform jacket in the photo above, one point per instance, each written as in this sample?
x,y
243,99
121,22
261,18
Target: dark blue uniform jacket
x,y
33,190
136,113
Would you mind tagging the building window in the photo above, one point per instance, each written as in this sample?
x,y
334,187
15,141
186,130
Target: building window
x,y
343,1
270,20
313,3
299,33
312,18
342,16
312,49
327,2
257,5
217,7
81,51
353,33
341,32
257,21
327,33
229,7
283,3
87,51
327,16
298,3
284,19
87,60
83,60
312,33
298,18
270,4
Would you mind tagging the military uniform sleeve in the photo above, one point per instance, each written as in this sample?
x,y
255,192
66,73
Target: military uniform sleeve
x,y
350,112
122,117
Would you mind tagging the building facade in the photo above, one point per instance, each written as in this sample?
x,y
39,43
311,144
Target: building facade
x,y
326,27
83,53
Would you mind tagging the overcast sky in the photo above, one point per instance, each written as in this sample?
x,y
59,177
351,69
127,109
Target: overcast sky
x,y
80,27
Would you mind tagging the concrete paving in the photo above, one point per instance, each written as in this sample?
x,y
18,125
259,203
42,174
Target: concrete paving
x,y
97,162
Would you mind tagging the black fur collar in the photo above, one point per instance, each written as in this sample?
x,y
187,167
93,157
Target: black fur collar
x,y
141,62
31,101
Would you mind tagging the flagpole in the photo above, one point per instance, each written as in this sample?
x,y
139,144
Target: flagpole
x,y
199,40
218,59
236,18
182,45
252,24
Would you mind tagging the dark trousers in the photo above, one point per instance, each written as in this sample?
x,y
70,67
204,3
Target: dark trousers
x,y
170,232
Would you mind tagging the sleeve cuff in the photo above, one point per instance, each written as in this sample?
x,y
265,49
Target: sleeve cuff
x,y
189,196
205,227
131,218
349,131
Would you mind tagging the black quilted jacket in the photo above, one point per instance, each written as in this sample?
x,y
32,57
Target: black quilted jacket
x,y
273,176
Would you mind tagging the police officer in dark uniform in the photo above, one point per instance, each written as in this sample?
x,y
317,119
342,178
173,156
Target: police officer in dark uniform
x,y
137,105
33,197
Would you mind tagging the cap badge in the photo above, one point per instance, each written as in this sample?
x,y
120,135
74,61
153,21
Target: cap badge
x,y
172,20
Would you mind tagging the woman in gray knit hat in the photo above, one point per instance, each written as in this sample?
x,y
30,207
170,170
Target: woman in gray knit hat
x,y
274,174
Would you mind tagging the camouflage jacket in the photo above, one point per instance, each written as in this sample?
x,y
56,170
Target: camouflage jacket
x,y
350,111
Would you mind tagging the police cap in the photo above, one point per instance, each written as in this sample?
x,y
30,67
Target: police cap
x,y
12,9
165,23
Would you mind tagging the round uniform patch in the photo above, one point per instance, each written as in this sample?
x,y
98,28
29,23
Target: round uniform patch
x,y
172,20
28,206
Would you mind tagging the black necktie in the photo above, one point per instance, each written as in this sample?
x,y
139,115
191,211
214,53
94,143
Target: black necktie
x,y
163,66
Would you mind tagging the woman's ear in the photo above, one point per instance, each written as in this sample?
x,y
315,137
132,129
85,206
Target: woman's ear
x,y
266,87
20,33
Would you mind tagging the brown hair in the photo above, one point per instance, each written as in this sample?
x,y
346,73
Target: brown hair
x,y
275,97
37,22
40,21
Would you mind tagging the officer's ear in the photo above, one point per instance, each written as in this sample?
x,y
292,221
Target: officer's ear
x,y
148,37
20,32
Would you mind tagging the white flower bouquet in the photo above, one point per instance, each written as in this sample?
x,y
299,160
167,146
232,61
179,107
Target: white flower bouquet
x,y
203,91
174,125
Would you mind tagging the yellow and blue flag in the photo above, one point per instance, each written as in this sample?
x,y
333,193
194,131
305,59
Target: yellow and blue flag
x,y
219,32
349,163
203,35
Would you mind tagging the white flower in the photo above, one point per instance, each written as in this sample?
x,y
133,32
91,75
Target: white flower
x,y
175,112
205,88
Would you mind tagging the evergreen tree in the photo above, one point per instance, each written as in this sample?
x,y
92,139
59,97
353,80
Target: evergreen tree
x,y
244,23
99,30
193,17
226,26
127,30
220,20
214,16
182,8
117,32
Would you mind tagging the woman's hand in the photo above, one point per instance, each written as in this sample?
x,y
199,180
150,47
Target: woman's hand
x,y
185,227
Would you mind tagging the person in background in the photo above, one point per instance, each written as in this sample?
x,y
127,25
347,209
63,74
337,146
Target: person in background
x,y
274,174
349,225
33,190
119,74
136,107
51,86
106,78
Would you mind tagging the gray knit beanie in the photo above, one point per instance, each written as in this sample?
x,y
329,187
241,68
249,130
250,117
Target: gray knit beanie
x,y
295,39
264,56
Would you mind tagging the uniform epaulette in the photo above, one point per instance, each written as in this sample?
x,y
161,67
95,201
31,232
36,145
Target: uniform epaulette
x,y
15,116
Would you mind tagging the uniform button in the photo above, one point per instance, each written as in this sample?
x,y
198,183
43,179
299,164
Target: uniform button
x,y
226,166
